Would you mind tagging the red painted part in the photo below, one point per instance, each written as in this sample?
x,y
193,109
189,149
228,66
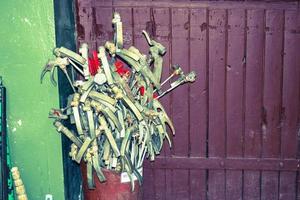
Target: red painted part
x,y
142,90
56,113
155,96
119,64
94,64
120,68
112,189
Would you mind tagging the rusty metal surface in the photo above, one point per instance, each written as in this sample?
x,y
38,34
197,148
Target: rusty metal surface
x,y
238,125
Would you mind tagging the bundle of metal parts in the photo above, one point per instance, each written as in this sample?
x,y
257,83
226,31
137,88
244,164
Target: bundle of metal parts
x,y
115,106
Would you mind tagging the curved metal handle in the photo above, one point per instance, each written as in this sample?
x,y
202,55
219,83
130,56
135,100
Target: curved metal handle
x,y
149,41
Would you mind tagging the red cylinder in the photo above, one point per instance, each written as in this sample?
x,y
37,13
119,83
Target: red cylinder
x,y
112,189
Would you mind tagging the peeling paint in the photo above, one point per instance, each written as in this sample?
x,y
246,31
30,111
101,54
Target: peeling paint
x,y
27,21
264,131
19,122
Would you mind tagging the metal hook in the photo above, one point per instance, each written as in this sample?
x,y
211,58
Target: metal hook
x,y
149,41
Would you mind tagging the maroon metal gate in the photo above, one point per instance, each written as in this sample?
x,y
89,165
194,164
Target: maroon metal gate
x,y
238,125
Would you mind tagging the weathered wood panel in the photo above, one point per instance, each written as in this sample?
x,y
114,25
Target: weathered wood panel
x,y
272,82
198,96
199,90
254,83
290,91
255,42
237,126
216,101
251,185
217,84
180,100
235,64
269,185
287,190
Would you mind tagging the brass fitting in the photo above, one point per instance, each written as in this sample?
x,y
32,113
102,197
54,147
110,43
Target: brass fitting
x,y
19,187
110,47
76,99
117,92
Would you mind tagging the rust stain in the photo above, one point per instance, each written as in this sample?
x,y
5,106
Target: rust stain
x,y
151,28
295,31
151,25
98,29
212,27
80,31
80,27
186,25
267,28
203,26
94,23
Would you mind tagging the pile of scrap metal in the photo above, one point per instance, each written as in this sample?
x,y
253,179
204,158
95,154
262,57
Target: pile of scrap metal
x,y
115,106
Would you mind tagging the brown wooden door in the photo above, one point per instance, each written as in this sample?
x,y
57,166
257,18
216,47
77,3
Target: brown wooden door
x,y
237,126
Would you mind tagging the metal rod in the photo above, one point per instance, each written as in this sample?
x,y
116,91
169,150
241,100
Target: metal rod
x,y
169,90
76,67
67,75
171,76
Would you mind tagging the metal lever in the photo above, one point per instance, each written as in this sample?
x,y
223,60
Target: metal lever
x,y
176,71
149,41
158,46
118,35
190,77
62,64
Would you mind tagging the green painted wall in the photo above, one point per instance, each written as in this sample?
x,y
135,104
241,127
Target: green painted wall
x,y
27,39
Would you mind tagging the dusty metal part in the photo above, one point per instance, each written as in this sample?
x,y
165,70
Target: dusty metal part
x,y
177,71
157,51
57,114
105,65
101,97
84,53
61,128
191,77
76,67
83,149
118,34
75,109
64,52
